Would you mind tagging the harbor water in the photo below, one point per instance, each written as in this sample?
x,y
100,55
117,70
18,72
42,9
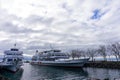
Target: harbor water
x,y
35,72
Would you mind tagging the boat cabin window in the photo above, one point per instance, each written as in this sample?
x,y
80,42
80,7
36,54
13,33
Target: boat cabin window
x,y
9,60
14,49
9,54
56,51
20,59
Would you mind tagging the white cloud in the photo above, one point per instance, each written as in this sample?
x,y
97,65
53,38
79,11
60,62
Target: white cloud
x,y
36,23
3,36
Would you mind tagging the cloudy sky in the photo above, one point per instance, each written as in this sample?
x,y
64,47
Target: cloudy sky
x,y
37,24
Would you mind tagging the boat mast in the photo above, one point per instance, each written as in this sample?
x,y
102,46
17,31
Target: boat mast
x,y
37,54
15,45
51,47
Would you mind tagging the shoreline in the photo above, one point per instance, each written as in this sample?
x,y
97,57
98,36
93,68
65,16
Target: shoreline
x,y
103,64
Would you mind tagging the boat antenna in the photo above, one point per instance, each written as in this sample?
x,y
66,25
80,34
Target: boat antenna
x,y
15,45
51,47
36,52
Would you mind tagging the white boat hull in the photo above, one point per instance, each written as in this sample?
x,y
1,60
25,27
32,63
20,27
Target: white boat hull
x,y
66,63
10,67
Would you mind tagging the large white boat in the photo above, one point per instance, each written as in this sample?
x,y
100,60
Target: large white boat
x,y
12,59
57,58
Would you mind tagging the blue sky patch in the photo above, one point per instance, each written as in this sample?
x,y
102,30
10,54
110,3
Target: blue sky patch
x,y
96,14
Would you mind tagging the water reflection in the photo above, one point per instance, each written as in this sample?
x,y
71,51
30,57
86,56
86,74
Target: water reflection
x,y
53,73
11,75
102,74
34,72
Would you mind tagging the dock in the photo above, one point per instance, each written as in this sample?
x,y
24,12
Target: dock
x,y
103,64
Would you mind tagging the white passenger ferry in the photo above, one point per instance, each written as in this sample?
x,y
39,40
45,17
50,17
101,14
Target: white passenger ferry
x,y
12,59
56,58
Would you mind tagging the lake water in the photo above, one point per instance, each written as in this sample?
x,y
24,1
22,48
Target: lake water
x,y
34,72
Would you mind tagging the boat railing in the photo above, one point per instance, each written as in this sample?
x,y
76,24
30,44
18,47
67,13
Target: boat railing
x,y
9,62
20,56
5,63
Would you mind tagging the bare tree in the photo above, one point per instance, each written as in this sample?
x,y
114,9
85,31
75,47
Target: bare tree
x,y
115,49
79,52
91,53
103,52
73,54
84,54
76,53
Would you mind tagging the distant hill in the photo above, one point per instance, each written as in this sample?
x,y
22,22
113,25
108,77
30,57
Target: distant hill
x,y
27,58
1,57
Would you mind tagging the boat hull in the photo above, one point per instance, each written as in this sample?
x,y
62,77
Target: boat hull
x,y
11,67
67,63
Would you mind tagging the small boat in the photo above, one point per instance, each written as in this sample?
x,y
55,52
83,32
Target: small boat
x,y
56,58
12,60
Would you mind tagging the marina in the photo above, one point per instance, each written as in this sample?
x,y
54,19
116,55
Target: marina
x,y
59,39
55,65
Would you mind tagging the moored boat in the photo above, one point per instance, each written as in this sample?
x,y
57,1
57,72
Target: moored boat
x,y
12,60
57,58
